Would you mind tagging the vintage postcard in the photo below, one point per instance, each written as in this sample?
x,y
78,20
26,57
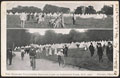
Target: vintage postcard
x,y
60,38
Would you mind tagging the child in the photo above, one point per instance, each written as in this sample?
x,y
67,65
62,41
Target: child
x,y
22,53
60,56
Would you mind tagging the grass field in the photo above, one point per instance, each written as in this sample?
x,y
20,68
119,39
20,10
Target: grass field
x,y
82,59
13,21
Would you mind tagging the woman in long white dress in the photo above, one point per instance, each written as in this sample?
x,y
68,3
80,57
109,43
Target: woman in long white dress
x,y
55,51
46,51
50,50
23,18
39,19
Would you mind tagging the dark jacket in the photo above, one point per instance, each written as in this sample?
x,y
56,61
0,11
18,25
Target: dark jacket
x,y
99,50
91,48
109,50
9,53
32,52
65,51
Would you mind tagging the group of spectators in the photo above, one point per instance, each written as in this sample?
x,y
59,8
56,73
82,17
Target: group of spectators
x,y
55,21
63,51
39,18
100,49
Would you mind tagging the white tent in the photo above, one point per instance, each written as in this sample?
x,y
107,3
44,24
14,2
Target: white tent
x,y
10,13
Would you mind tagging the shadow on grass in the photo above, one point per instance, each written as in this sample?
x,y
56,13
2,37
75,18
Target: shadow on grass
x,y
81,59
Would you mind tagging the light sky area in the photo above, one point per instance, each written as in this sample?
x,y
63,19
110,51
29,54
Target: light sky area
x,y
71,5
63,31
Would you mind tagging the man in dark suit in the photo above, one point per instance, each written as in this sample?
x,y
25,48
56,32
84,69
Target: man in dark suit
x,y
74,19
9,55
91,48
65,50
109,52
100,52
33,55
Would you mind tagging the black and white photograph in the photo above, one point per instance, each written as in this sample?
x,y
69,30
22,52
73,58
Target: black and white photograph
x,y
66,49
59,15
59,38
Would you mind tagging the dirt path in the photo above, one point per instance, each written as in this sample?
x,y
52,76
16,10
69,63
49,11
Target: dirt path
x,y
41,64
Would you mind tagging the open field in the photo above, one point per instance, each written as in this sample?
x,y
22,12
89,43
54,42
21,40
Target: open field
x,y
82,59
13,21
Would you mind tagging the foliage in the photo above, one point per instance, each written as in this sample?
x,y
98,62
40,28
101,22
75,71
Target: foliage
x,y
55,9
27,9
20,37
108,10
85,10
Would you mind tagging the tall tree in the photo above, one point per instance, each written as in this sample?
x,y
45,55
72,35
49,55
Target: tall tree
x,y
54,9
108,10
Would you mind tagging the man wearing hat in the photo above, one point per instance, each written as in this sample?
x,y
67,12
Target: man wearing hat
x,y
32,55
9,55
109,52
61,57
65,50
92,49
100,52
22,53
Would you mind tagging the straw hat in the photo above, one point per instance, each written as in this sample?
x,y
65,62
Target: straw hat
x,y
61,50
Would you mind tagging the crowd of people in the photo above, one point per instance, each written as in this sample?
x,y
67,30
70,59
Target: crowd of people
x,y
28,16
96,16
56,20
62,50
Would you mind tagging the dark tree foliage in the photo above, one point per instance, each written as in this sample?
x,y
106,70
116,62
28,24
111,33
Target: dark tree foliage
x,y
17,37
26,9
108,10
85,10
78,10
96,35
20,37
90,10
54,9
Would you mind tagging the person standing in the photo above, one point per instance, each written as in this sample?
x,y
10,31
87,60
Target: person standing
x,y
32,55
62,20
100,52
38,52
28,17
43,17
47,51
9,55
65,50
50,50
92,49
22,53
61,59
27,50
74,19
109,52
23,18
37,17
55,51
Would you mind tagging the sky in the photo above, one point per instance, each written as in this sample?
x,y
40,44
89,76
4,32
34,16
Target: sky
x,y
63,31
71,5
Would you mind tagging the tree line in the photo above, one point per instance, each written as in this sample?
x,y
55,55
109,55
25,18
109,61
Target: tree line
x,y
20,37
108,10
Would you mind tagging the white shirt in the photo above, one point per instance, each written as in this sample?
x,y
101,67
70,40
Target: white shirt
x,y
60,53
